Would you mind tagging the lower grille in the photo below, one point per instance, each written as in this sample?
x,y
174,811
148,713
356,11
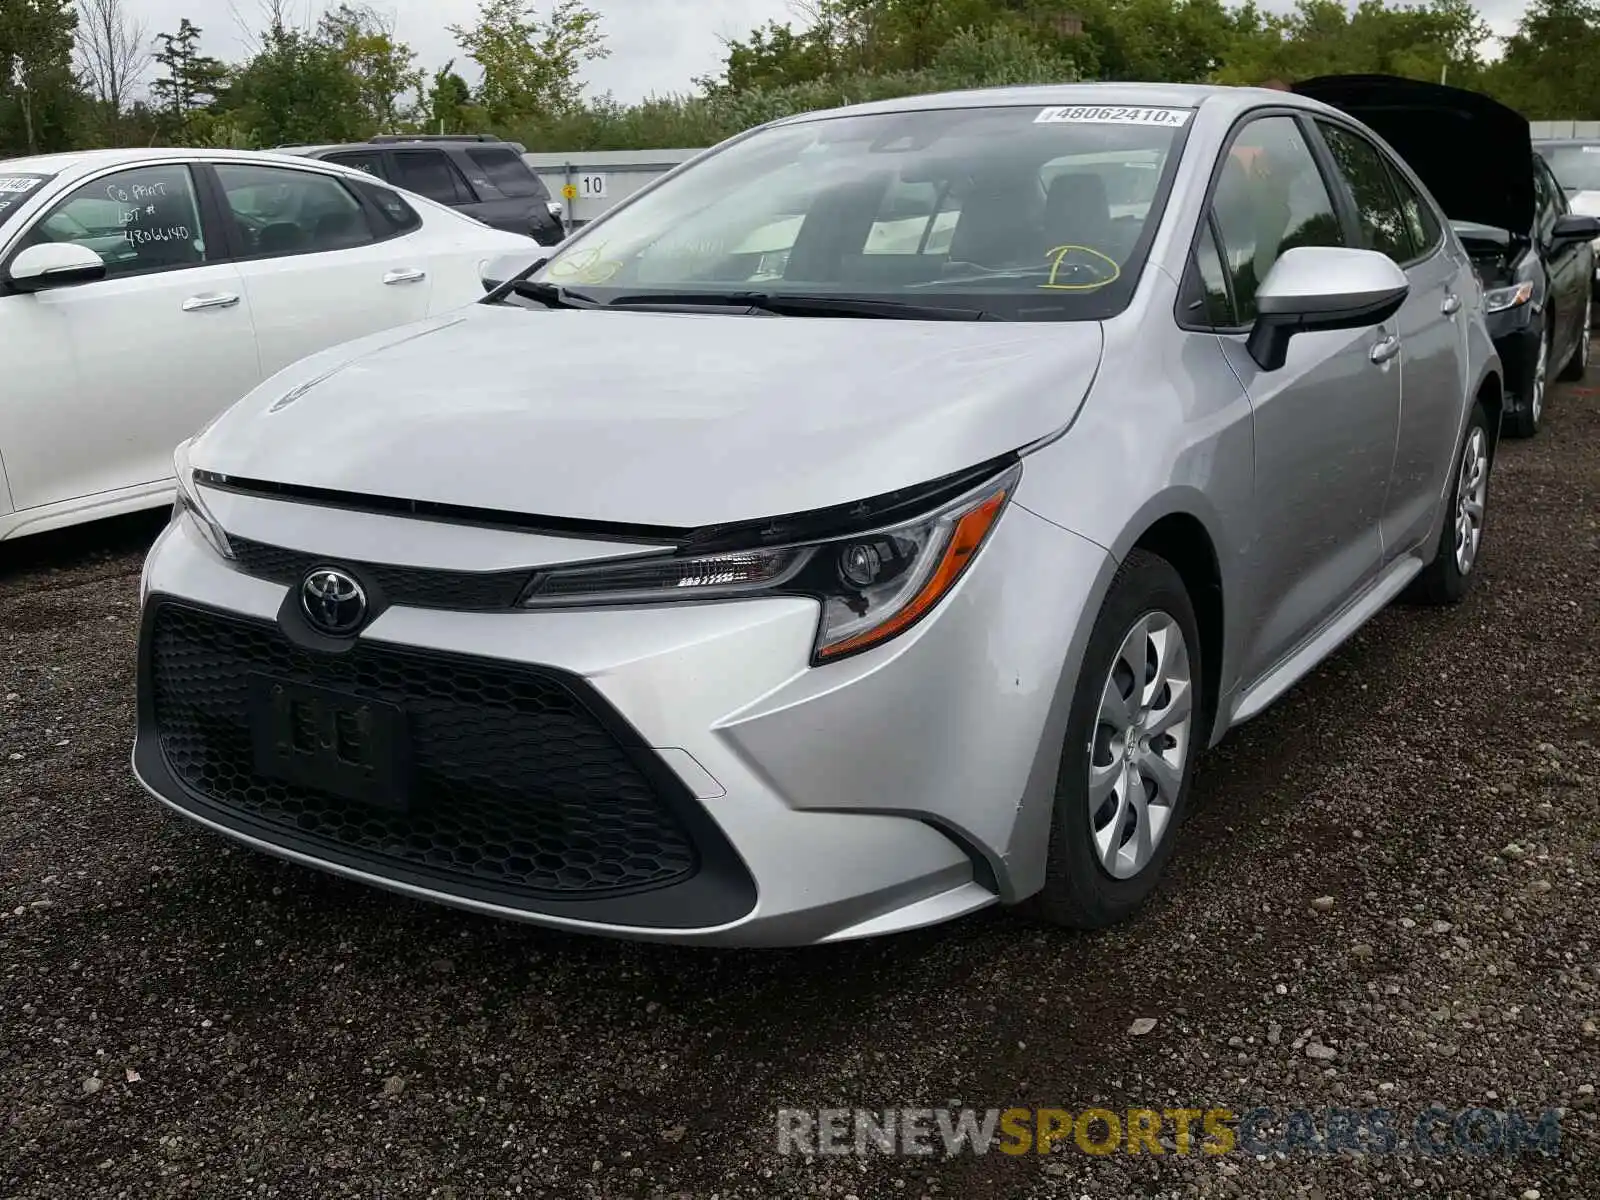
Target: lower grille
x,y
518,784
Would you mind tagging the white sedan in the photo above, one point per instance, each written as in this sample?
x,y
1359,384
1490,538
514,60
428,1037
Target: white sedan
x,y
144,291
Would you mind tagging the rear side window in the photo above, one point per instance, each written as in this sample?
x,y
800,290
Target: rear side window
x,y
371,163
509,173
395,215
281,212
1383,223
430,173
1270,197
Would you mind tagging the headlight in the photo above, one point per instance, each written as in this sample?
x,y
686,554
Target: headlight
x,y
873,585
1500,299
189,504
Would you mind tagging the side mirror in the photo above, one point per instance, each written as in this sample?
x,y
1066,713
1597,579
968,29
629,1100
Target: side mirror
x,y
1573,227
497,271
1313,288
53,265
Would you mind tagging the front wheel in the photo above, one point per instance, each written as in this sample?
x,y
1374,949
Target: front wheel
x,y
1448,578
1132,734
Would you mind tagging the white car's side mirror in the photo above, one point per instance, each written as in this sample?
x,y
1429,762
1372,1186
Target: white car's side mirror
x,y
1312,288
54,265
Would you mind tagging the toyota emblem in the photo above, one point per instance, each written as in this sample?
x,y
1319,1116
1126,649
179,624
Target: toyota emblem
x,y
333,602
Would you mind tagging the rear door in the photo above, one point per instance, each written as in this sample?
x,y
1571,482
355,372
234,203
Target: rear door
x,y
1325,423
101,382
1394,219
320,265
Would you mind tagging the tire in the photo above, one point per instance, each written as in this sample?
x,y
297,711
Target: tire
x,y
1578,365
1526,422
1080,891
1447,579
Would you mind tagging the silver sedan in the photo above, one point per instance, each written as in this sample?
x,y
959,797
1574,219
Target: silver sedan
x,y
865,524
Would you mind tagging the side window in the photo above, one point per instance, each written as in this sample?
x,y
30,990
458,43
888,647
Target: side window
x,y
1207,288
430,173
1270,198
369,162
137,221
280,211
1421,224
396,215
509,174
1383,224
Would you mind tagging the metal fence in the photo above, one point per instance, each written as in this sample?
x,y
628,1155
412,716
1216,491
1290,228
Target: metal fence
x,y
591,183
1565,129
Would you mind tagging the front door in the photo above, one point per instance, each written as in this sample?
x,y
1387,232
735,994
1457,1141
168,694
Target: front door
x,y
1325,423
104,380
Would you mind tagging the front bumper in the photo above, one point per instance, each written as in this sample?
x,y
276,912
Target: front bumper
x,y
1516,333
771,803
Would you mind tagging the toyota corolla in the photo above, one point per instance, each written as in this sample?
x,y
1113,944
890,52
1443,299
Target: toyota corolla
x,y
865,524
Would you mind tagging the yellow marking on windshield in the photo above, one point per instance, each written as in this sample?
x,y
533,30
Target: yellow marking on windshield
x,y
584,266
1058,256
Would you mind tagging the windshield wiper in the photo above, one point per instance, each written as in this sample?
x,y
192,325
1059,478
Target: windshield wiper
x,y
554,295
785,305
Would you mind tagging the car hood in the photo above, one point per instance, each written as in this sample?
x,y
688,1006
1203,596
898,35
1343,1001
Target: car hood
x,y
1474,154
664,419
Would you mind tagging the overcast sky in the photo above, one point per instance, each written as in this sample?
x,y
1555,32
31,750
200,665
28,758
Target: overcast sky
x,y
657,46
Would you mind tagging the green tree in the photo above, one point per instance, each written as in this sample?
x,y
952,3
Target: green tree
x,y
189,81
297,89
448,107
40,102
531,65
1547,68
384,69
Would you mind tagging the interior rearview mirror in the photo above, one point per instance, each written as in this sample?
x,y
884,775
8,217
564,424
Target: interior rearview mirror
x,y
508,266
1313,288
54,265
1573,227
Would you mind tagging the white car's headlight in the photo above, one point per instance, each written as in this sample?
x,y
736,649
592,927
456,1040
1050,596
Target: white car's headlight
x,y
1500,299
191,506
872,585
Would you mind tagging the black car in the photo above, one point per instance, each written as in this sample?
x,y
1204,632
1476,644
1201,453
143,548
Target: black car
x,y
1575,162
1532,254
476,174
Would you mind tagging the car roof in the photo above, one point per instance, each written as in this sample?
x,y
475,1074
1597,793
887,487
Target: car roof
x,y
1165,95
85,161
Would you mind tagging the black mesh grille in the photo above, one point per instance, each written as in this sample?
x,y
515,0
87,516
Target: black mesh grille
x,y
414,587
517,784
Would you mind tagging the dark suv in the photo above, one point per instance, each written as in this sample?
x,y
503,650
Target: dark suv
x,y
476,174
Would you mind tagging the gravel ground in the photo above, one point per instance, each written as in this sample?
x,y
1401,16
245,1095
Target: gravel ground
x,y
178,1018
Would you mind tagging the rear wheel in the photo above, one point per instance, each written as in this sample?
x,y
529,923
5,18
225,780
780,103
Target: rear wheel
x,y
1132,734
1525,422
1448,578
1578,364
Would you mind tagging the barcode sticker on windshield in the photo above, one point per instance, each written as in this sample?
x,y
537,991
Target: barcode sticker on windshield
x,y
1591,149
1095,114
18,183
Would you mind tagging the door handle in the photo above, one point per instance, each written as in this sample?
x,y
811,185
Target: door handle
x,y
1386,349
1451,305
409,275
214,300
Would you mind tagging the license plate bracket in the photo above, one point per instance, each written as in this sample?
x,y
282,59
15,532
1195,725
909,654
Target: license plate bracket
x,y
331,741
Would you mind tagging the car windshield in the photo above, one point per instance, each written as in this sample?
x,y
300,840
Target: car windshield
x,y
15,190
1022,213
1576,167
